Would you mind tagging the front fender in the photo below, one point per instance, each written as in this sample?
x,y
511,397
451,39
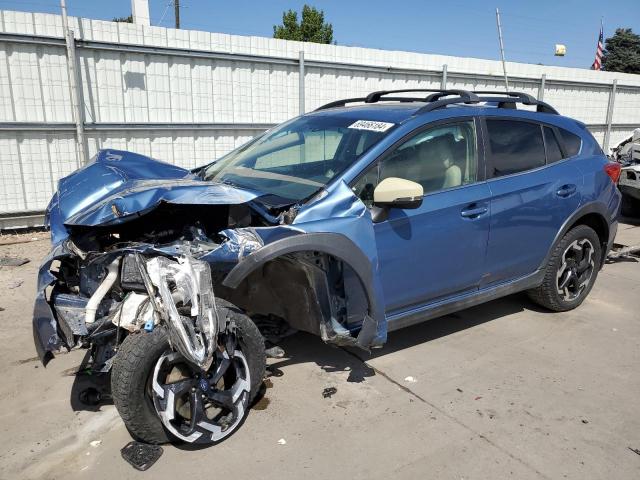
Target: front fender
x,y
339,225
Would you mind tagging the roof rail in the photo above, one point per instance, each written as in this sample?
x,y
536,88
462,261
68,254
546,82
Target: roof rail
x,y
503,99
377,96
440,98
524,98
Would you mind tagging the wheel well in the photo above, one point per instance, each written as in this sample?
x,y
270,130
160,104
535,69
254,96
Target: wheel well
x,y
599,225
306,289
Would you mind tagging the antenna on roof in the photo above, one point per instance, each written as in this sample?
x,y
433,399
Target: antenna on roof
x,y
504,65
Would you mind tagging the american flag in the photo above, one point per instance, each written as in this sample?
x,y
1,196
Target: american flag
x,y
597,63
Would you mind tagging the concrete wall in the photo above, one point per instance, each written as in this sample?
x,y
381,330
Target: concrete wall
x,y
190,96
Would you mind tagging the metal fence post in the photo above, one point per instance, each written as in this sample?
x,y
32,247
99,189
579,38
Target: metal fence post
x,y
301,82
443,82
74,84
607,133
543,80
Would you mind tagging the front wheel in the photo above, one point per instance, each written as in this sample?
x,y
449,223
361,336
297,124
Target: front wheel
x,y
571,270
161,397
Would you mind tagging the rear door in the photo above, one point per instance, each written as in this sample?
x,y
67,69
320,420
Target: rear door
x,y
534,189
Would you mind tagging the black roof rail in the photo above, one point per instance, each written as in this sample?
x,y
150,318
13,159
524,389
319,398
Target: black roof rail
x,y
440,98
503,101
340,103
377,96
524,98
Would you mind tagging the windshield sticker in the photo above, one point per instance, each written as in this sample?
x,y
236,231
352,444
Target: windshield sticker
x,y
371,125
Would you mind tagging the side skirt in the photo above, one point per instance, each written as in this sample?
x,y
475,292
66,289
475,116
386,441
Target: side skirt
x,y
430,311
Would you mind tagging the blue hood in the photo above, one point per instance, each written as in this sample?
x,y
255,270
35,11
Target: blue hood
x,y
118,186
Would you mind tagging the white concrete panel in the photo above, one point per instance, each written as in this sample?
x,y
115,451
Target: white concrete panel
x,y
18,22
110,96
12,196
627,107
180,88
36,169
6,94
47,24
158,91
55,85
222,87
242,92
202,94
183,150
25,81
63,157
135,89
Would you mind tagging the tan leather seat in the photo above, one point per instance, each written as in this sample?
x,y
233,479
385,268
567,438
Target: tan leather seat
x,y
430,163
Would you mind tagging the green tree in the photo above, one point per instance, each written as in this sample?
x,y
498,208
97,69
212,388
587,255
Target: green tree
x,y
312,28
622,52
128,19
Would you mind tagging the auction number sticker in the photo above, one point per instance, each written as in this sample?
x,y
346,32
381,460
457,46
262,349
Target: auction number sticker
x,y
371,125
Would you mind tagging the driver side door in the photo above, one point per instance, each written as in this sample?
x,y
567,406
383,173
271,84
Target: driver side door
x,y
437,250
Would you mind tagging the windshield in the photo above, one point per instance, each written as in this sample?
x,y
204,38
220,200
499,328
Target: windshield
x,y
298,158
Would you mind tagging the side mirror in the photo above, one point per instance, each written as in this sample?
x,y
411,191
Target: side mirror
x,y
396,192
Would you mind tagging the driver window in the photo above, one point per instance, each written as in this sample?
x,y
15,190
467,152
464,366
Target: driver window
x,y
439,158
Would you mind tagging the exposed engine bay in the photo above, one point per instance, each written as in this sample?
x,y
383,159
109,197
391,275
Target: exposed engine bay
x,y
161,274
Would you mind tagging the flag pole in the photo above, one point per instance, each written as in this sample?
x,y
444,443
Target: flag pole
x,y
504,64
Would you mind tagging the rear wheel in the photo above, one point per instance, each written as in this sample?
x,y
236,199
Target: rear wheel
x,y
161,397
571,270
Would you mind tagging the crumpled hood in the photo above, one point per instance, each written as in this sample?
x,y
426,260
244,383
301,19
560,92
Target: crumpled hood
x,y
118,185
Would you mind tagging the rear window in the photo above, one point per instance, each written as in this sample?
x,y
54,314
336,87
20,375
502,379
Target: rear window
x,y
553,148
515,146
571,143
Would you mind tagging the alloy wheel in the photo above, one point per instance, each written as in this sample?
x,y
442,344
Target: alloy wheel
x,y
199,407
576,269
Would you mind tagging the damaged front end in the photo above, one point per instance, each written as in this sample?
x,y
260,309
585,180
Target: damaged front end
x,y
140,252
93,297
134,256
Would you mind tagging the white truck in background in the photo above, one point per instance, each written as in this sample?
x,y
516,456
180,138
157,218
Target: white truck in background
x,y
627,152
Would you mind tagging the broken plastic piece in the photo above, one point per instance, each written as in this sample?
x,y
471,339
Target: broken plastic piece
x,y
141,456
148,326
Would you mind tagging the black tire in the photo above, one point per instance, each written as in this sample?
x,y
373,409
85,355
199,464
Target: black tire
x,y
547,294
137,357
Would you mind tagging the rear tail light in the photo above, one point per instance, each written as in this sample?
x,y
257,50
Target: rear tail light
x,y
613,170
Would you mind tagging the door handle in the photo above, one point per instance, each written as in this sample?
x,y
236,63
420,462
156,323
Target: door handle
x,y
566,190
474,211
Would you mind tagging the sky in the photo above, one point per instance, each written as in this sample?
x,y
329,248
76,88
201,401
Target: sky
x,y
453,27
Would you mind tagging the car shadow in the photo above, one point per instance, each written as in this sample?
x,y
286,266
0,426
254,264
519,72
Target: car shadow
x,y
635,221
304,348
307,348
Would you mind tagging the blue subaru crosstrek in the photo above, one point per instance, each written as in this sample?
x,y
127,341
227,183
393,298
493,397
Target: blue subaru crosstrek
x,y
365,216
